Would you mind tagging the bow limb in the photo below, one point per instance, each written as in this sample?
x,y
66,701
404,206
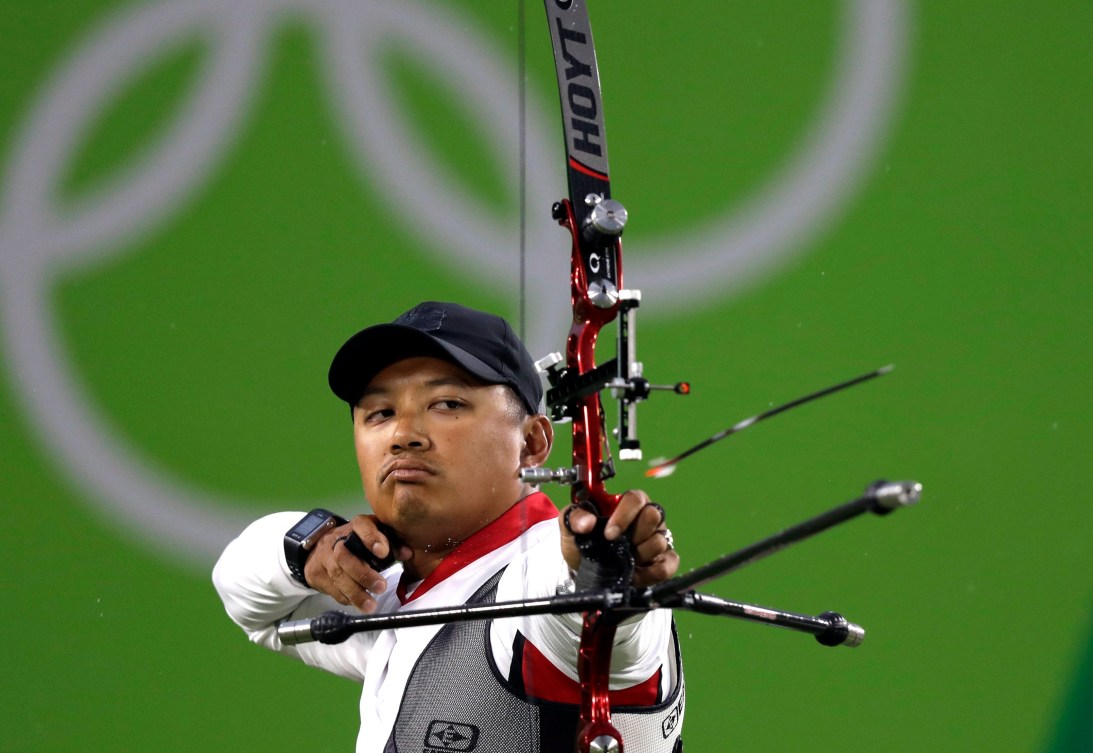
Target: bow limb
x,y
595,223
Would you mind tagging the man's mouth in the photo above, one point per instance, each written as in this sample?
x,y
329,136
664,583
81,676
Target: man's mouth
x,y
407,471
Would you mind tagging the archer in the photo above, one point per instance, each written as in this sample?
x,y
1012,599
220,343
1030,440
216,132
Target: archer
x,y
446,409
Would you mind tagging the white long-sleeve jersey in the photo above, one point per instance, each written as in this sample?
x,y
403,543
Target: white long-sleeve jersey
x,y
258,592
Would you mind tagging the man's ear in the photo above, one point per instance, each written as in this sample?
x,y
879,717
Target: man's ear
x,y
538,439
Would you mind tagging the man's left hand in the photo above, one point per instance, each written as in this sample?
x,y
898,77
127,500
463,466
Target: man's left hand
x,y
642,521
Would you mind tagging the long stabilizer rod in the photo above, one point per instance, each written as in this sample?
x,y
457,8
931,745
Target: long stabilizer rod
x,y
881,498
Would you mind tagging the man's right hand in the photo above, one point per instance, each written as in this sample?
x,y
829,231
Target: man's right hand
x,y
335,571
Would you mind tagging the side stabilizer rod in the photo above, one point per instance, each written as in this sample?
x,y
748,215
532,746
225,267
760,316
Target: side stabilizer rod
x,y
336,626
829,628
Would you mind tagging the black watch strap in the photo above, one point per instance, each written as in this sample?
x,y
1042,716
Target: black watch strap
x,y
301,538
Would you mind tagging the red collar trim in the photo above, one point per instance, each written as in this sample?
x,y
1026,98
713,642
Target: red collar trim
x,y
531,510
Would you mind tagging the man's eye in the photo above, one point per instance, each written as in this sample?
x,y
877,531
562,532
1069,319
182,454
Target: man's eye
x,y
451,404
377,415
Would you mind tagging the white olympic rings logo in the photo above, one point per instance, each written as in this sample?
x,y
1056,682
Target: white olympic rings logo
x,y
39,239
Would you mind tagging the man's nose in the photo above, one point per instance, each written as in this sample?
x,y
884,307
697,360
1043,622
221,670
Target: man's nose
x,y
410,433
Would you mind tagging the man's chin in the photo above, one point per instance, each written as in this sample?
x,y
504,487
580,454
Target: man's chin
x,y
408,507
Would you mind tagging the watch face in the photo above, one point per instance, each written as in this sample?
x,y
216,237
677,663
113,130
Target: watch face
x,y
307,526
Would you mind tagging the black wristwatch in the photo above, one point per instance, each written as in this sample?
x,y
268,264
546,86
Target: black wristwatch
x,y
301,538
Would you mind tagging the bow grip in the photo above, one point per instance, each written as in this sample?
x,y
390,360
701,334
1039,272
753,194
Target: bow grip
x,y
604,564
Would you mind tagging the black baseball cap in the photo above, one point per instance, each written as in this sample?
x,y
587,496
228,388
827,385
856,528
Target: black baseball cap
x,y
482,344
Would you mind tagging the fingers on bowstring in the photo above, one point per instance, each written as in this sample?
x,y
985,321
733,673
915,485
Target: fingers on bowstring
x,y
336,571
351,568
379,539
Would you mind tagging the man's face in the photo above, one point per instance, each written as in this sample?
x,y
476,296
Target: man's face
x,y
439,451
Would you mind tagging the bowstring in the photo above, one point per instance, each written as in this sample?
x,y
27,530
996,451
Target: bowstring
x,y
521,86
521,72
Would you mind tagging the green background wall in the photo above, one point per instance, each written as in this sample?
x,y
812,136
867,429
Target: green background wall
x,y
201,339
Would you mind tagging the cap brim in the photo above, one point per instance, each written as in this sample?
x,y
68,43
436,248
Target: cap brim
x,y
373,349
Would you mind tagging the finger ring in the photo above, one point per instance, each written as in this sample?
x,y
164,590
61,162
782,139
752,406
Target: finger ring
x,y
667,537
337,541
